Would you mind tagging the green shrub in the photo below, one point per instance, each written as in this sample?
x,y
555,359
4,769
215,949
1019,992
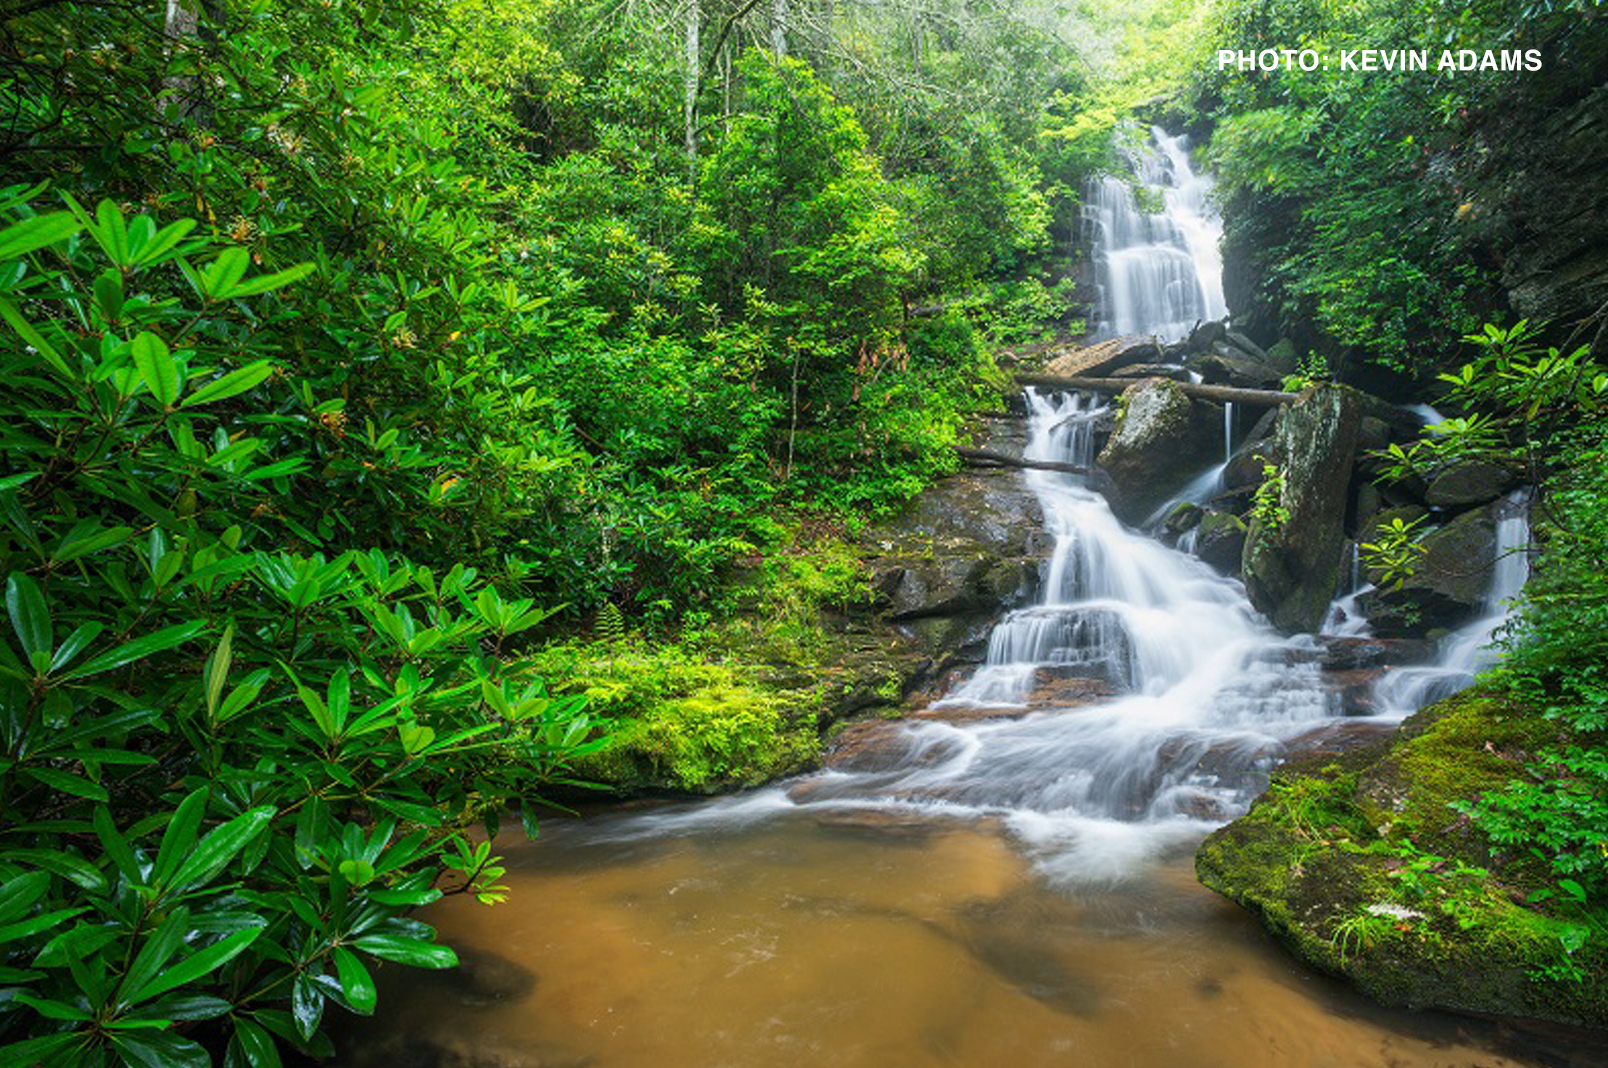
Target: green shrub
x,y
230,766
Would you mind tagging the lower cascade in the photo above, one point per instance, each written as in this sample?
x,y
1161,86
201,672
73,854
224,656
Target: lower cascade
x,y
1199,695
1467,650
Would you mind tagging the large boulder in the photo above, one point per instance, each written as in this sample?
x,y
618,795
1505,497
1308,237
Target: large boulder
x,y
961,553
1360,860
1100,360
1160,440
1220,541
1447,588
1227,365
1291,569
1468,482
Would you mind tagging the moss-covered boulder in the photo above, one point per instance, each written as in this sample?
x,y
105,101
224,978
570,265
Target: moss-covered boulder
x,y
1220,541
1292,563
1360,864
1447,587
1161,439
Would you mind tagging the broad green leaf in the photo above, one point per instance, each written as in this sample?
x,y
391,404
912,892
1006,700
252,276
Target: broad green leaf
x,y
161,1050
116,845
256,1045
306,1005
204,962
88,537
76,643
37,232
217,671
112,232
414,952
35,924
18,895
140,648
79,942
156,367
163,241
188,1007
26,330
11,482
235,450
157,949
235,382
38,1050
180,835
68,783
220,279
355,981
277,280
51,1009
30,618
214,852
68,866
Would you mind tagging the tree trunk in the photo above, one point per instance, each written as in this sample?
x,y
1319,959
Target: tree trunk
x,y
778,27
1264,398
985,458
690,79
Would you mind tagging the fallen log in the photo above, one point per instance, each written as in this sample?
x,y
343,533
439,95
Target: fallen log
x,y
1264,398
985,458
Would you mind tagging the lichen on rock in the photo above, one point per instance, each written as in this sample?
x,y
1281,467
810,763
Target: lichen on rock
x,y
1359,863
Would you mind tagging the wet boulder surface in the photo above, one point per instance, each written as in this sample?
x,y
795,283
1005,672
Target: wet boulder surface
x,y
1356,860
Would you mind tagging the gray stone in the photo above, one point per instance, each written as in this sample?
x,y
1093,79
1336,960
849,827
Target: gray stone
x,y
1226,365
1291,572
1173,371
1183,516
1282,356
1247,346
1096,361
1161,439
1220,541
1467,482
1373,434
1448,586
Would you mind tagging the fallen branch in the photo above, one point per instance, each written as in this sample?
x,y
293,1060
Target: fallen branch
x,y
984,458
1265,398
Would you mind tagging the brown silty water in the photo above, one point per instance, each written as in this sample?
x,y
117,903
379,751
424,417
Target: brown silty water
x,y
855,941
1007,883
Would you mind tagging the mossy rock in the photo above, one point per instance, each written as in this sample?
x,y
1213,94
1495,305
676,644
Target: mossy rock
x,y
1364,870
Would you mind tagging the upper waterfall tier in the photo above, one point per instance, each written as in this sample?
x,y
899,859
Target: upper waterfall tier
x,y
1157,273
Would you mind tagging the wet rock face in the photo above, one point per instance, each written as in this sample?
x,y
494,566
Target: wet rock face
x,y
1448,586
1468,482
1105,358
1313,860
1161,439
1291,572
1220,541
964,551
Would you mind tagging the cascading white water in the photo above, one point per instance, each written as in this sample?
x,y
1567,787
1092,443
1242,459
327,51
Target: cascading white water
x,y
1157,273
1204,694
1467,651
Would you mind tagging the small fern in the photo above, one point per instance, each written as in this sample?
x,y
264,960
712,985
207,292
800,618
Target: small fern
x,y
610,624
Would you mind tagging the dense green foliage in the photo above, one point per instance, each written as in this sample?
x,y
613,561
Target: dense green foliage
x,y
339,340
1544,408
231,765
1354,198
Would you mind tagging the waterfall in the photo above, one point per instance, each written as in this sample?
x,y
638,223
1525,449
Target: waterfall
x,y
1467,651
1157,273
1202,691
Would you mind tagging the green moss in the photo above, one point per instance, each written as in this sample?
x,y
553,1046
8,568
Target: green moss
x,y
1367,871
740,700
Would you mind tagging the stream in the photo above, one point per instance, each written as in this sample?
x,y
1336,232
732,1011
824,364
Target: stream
x,y
1008,884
